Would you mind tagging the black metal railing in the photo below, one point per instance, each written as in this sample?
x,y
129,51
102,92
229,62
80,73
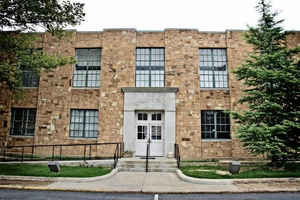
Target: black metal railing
x,y
117,155
177,155
59,152
147,155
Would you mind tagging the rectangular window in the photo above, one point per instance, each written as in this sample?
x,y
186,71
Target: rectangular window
x,y
142,132
150,67
22,121
87,69
215,124
84,123
213,68
29,77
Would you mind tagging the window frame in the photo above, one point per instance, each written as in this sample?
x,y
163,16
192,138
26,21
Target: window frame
x,y
24,121
215,133
88,77
150,83
84,124
34,76
214,75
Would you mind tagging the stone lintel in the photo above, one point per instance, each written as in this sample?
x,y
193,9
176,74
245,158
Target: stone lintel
x,y
149,89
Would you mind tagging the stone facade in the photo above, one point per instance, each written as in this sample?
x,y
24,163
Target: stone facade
x,y
55,95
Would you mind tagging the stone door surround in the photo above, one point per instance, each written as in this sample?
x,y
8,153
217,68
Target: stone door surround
x,y
149,99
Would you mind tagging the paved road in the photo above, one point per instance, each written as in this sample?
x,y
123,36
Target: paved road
x,y
245,196
59,195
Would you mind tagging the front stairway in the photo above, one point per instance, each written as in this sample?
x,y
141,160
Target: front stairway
x,y
154,165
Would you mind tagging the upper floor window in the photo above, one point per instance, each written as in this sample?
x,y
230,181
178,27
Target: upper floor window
x,y
215,124
150,67
84,123
22,121
213,68
30,78
87,69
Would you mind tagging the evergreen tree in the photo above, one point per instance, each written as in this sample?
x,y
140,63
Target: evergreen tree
x,y
271,124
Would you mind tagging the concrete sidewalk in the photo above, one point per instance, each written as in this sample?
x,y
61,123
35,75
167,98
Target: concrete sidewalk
x,y
152,182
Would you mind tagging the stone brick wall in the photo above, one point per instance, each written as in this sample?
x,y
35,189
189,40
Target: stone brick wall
x,y
55,96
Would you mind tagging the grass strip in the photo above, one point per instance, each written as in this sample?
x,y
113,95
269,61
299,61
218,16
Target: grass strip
x,y
43,170
259,171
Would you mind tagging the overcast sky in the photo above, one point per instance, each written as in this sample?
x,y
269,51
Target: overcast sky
x,y
204,15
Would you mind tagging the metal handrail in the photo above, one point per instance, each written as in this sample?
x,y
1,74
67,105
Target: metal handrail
x,y
50,145
116,155
85,145
177,154
147,155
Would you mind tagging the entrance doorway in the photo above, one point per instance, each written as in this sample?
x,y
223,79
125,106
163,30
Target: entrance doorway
x,y
150,128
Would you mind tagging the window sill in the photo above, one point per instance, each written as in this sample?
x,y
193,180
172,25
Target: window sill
x,y
149,89
87,88
225,89
216,140
30,87
82,138
22,136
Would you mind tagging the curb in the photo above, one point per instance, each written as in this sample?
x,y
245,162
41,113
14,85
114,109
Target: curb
x,y
34,178
209,186
265,180
143,191
202,180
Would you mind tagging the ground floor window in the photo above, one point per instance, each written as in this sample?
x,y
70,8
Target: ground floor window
x,y
84,123
215,124
22,121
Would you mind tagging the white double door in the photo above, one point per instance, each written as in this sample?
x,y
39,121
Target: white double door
x,y
149,129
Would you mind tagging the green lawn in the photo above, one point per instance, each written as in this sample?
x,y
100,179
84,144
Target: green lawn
x,y
43,170
258,171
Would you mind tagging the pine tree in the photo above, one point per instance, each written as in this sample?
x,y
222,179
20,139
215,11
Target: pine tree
x,y
271,124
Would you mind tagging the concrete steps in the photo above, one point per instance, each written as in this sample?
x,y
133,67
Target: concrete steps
x,y
154,165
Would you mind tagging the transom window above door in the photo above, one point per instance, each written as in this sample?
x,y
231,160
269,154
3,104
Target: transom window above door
x,y
156,116
149,116
143,116
150,67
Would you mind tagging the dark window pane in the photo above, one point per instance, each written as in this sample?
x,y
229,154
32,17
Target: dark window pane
x,y
142,116
145,116
141,132
153,116
140,135
22,121
215,125
30,79
158,116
